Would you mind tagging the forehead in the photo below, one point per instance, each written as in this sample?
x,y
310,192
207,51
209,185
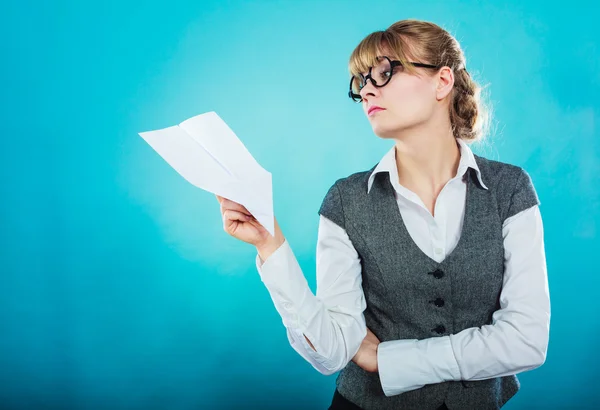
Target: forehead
x,y
381,63
366,55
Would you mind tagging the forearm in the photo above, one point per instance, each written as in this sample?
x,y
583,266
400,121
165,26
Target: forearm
x,y
324,333
267,248
507,347
309,343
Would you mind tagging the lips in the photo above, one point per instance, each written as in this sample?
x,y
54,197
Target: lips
x,y
374,109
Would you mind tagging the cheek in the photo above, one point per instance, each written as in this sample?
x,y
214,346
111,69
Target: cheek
x,y
410,98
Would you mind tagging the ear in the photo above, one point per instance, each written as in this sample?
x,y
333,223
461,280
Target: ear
x,y
445,82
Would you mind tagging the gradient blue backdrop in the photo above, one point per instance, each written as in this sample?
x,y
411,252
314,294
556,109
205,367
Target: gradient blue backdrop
x,y
118,286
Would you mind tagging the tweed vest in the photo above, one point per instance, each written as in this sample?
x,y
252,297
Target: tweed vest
x,y
400,281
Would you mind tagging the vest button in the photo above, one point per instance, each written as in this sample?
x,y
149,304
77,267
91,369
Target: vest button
x,y
438,273
439,302
439,329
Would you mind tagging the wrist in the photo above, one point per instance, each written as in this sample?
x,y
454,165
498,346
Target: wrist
x,y
270,244
268,248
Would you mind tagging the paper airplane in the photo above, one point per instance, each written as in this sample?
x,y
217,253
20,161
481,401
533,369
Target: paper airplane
x,y
208,154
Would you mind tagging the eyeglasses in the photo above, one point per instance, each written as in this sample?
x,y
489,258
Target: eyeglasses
x,y
380,75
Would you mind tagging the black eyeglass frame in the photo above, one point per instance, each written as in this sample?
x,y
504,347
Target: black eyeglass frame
x,y
393,64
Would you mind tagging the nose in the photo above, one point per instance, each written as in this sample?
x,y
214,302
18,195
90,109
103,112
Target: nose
x,y
369,90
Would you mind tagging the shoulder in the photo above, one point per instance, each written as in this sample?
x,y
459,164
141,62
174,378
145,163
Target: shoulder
x,y
511,184
340,192
498,172
357,180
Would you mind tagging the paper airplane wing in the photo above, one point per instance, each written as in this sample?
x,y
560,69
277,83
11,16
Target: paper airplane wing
x,y
203,170
210,131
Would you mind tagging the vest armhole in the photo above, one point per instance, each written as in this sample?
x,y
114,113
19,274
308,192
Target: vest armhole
x,y
332,208
523,197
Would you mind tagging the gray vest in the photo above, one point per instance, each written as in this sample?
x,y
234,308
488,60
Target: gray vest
x,y
400,282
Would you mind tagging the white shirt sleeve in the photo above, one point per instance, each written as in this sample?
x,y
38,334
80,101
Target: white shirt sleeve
x,y
332,320
517,339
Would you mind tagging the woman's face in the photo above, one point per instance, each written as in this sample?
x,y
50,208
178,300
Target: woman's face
x,y
407,102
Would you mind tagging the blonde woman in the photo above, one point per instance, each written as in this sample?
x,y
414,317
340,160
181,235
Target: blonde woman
x,y
432,288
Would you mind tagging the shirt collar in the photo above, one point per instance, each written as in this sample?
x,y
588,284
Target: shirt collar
x,y
388,164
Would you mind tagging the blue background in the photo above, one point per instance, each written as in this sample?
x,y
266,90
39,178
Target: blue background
x,y
118,286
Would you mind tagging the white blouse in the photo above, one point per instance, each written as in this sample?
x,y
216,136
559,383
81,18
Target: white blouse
x,y
334,322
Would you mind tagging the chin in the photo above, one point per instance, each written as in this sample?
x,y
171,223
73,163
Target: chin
x,y
387,131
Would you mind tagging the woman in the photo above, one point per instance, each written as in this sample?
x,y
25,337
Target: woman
x,y
432,287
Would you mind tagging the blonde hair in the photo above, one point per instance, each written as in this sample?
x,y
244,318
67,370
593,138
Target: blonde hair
x,y
425,42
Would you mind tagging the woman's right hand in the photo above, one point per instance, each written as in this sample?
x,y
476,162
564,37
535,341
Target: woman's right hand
x,y
239,223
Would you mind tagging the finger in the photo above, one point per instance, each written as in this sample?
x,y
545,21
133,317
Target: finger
x,y
234,206
371,336
219,198
230,215
242,210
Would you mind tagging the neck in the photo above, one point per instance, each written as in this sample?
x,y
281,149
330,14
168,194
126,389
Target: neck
x,y
426,160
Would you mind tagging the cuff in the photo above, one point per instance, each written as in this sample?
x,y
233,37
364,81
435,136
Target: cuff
x,y
406,365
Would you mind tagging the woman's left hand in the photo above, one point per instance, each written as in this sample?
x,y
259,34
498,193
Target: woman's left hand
x,y
366,357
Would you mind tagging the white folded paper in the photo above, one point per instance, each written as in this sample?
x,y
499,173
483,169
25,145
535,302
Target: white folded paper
x,y
208,154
